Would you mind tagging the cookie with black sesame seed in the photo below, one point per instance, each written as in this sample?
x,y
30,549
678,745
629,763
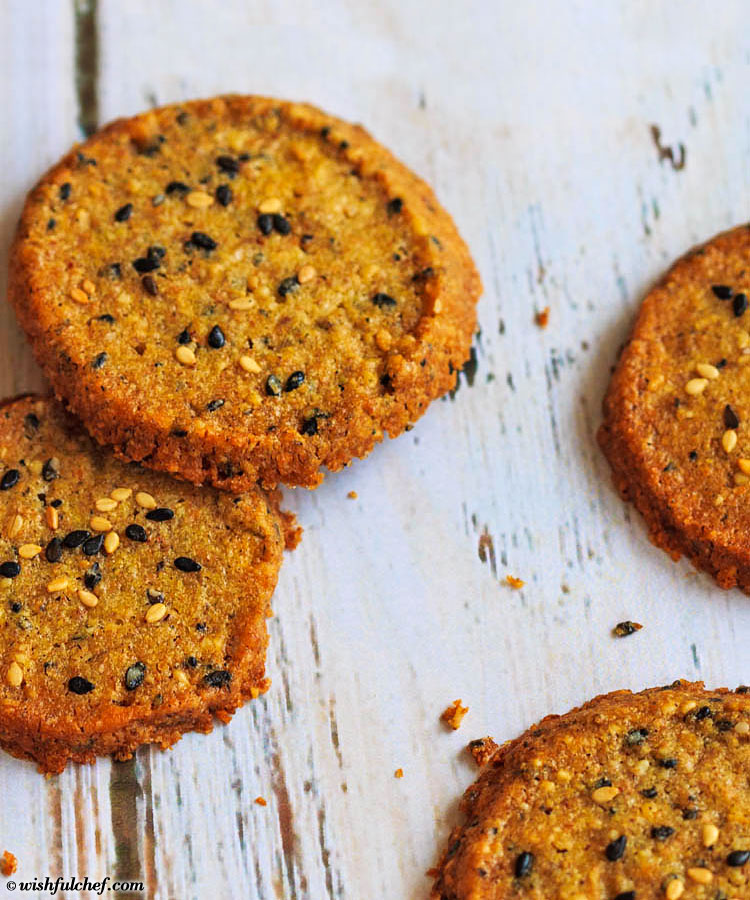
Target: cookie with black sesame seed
x,y
676,427
132,605
583,807
286,247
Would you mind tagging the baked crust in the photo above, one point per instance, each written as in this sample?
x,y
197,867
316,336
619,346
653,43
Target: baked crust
x,y
618,795
370,366
665,444
71,609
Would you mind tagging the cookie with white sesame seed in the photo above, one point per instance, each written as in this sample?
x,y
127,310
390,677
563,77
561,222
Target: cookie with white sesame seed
x,y
132,605
629,797
242,290
676,424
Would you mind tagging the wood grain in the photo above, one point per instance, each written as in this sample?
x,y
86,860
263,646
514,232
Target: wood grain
x,y
534,123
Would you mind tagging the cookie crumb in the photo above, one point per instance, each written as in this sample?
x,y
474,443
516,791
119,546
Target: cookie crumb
x,y
352,495
454,714
482,749
515,583
541,318
399,773
261,801
623,629
8,863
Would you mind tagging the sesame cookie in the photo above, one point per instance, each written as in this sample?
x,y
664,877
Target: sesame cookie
x,y
132,606
629,797
676,424
240,289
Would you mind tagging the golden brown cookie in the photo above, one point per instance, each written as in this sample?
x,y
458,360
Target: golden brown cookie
x,y
241,289
629,797
676,425
132,606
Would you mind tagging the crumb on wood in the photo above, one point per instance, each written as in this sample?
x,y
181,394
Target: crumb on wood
x,y
352,495
261,801
454,714
433,872
515,583
541,318
482,749
8,863
623,629
399,773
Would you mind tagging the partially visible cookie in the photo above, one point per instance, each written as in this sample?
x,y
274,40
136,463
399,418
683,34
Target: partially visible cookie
x,y
629,797
676,427
132,606
241,289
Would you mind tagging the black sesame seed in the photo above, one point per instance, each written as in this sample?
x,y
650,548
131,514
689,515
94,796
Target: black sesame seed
x,y
186,564
626,628
115,271
136,533
93,545
228,164
31,422
731,419
98,361
650,793
75,538
184,337
149,285
78,685
191,662
309,426
689,813
395,206
213,405
295,380
668,763
524,863
134,676
124,212
722,291
9,569
160,514
662,832
202,240
224,194
201,626
10,479
704,712
216,338
56,503
156,252
616,850
51,224
382,300
50,470
625,895
145,264
218,678
636,736
177,187
281,224
93,576
738,857
739,304
287,286
273,386
265,223
15,607
724,725
602,782
64,191
693,455
53,550
179,432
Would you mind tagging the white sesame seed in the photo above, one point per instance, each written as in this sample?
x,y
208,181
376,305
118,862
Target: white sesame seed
x,y
155,613
710,834
744,465
742,728
706,370
675,889
249,364
111,542
88,286
106,504
185,355
729,440
16,523
199,199
306,273
29,551
241,303
99,523
701,875
145,500
57,584
88,598
270,205
696,386
605,794
14,675
52,516
120,494
79,296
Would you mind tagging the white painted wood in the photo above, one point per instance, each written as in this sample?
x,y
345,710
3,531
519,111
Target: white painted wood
x,y
532,121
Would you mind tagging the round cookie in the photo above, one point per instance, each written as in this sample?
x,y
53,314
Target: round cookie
x,y
629,797
132,606
240,289
676,424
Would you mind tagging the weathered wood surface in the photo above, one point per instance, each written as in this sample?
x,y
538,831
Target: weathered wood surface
x,y
533,121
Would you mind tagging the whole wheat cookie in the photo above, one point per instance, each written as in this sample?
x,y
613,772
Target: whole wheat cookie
x,y
629,797
241,289
132,606
676,424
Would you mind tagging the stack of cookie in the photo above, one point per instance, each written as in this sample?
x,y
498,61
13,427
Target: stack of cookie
x,y
238,293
